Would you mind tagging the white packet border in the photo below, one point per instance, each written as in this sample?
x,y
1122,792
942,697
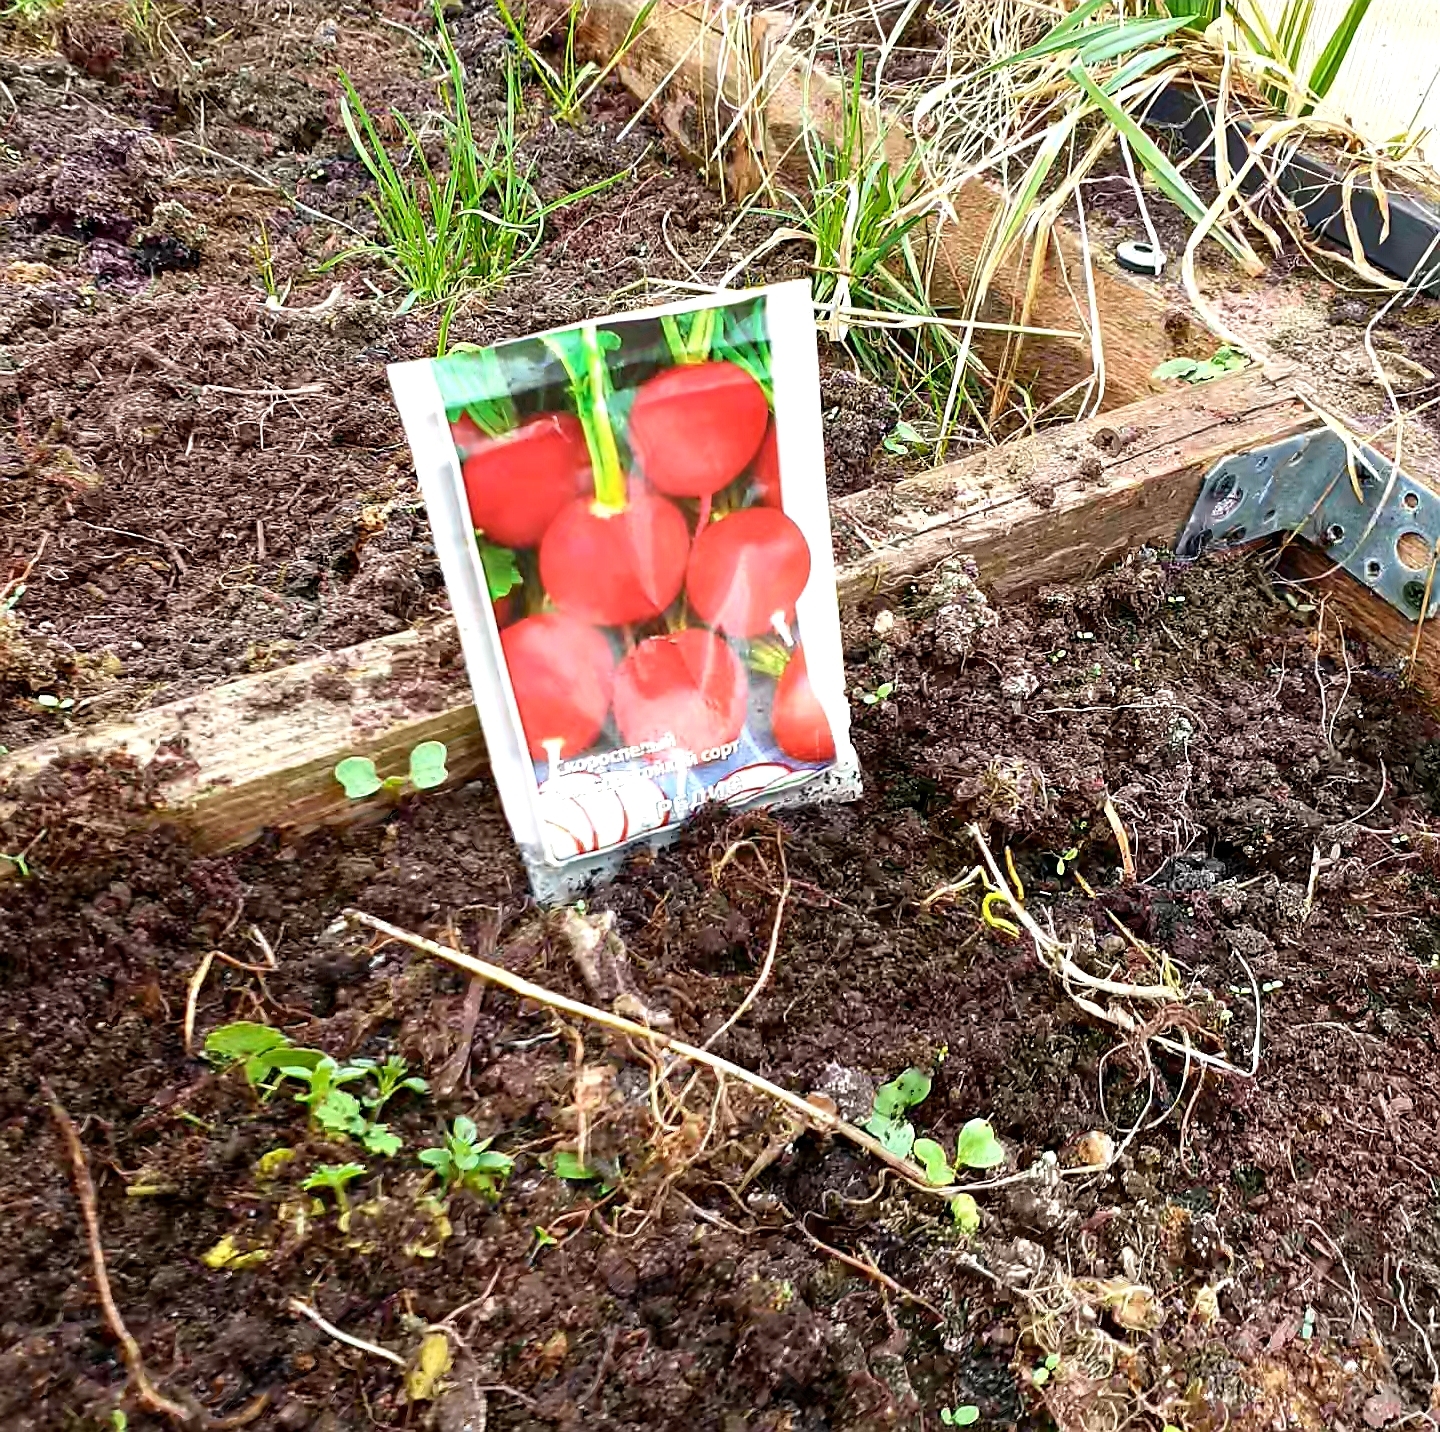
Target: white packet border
x,y
795,372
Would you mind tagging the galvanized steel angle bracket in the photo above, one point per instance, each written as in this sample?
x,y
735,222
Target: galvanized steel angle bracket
x,y
1303,485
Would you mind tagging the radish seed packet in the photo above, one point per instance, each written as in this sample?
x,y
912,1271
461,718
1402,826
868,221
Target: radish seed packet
x,y
632,521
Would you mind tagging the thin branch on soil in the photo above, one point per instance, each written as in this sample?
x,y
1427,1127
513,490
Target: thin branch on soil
x,y
1424,1336
811,1113
374,1349
145,1392
868,1270
763,978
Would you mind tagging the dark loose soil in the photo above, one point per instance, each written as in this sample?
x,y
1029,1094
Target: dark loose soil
x,y
1272,1225
1264,1253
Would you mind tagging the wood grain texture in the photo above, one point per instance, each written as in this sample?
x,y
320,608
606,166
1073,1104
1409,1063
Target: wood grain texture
x,y
260,753
704,66
1068,502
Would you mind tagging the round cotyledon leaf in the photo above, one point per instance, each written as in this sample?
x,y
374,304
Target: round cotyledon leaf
x,y
358,776
427,765
978,1147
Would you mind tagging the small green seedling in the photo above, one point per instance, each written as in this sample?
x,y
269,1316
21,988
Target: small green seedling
x,y
977,1147
1066,858
464,1163
54,703
19,862
261,1048
966,1415
1042,1374
887,1121
359,778
331,1106
1224,360
966,1213
902,438
544,1238
335,1177
392,1076
880,694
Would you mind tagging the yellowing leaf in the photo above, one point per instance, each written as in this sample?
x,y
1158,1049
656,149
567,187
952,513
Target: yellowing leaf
x,y
226,1254
431,1363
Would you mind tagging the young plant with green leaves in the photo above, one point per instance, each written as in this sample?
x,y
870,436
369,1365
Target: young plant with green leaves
x,y
976,1148
359,778
269,1058
569,83
468,1162
335,1178
470,220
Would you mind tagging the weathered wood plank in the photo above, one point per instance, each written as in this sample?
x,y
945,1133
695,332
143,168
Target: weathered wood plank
x,y
260,753
1054,508
1069,502
704,64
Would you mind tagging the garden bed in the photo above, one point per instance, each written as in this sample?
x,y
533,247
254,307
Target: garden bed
x,y
1262,1251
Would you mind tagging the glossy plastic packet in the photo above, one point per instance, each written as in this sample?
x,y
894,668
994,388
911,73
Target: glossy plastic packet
x,y
632,521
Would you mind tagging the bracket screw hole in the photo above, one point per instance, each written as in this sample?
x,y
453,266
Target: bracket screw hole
x,y
1197,542
1224,486
1373,570
1413,550
1414,593
1411,501
1270,516
1235,534
1334,533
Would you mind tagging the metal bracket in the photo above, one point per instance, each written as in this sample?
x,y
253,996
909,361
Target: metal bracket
x,y
1304,486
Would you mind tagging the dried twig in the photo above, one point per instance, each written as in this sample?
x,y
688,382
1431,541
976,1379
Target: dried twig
x,y
869,1270
1121,839
145,1391
813,1114
374,1349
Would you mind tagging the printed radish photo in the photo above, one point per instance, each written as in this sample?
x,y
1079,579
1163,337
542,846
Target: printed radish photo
x,y
632,521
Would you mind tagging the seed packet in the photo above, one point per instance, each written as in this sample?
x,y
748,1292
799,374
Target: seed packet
x,y
631,518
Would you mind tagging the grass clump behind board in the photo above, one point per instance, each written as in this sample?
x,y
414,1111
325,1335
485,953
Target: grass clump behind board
x,y
468,221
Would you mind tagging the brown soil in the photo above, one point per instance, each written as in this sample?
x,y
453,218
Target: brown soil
x,y
1278,790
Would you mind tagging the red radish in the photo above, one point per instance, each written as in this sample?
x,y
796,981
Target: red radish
x,y
613,566
688,685
517,482
765,471
747,570
696,427
467,434
563,673
797,719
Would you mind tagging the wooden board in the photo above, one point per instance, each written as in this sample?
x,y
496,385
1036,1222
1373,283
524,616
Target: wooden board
x,y
702,65
1054,508
262,751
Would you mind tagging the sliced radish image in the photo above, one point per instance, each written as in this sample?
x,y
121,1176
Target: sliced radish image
x,y
747,570
601,820
646,807
765,471
615,565
753,779
688,685
696,427
518,482
797,719
568,829
563,674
